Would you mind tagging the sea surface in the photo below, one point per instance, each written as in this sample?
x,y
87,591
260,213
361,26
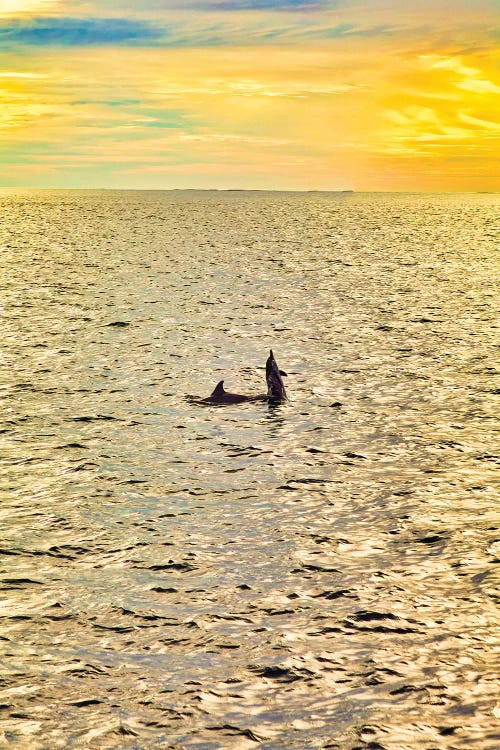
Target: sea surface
x,y
318,574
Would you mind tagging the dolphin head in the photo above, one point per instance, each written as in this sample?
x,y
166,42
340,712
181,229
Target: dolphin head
x,y
275,388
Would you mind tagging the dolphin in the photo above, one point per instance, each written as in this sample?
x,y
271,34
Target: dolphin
x,y
275,389
220,396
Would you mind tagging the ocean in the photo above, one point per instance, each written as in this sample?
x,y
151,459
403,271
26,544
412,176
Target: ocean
x,y
314,574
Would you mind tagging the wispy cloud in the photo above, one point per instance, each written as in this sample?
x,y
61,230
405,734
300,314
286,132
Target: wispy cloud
x,y
223,6
479,86
277,5
13,74
69,31
464,77
479,123
27,7
77,32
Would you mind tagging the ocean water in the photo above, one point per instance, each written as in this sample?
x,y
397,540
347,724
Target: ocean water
x,y
318,574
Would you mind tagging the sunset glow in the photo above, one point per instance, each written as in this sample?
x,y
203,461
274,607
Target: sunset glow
x,y
260,94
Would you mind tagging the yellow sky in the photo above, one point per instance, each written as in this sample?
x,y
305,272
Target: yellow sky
x,y
364,95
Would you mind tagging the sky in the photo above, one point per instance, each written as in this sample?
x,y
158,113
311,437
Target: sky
x,y
390,95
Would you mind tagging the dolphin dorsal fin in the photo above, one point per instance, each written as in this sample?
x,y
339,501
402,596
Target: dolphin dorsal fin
x,y
219,389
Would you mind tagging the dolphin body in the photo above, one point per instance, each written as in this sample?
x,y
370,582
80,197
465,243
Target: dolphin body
x,y
275,389
220,396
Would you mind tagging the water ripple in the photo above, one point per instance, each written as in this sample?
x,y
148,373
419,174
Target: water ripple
x,y
320,574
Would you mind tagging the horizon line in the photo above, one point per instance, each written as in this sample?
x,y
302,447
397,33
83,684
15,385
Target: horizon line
x,y
248,190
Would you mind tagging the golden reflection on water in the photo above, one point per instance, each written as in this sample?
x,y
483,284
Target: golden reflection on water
x,y
319,574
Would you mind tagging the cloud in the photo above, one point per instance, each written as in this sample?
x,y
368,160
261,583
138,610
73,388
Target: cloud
x,y
485,124
479,86
253,89
26,7
224,6
470,78
77,32
105,102
278,5
23,75
455,64
86,32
